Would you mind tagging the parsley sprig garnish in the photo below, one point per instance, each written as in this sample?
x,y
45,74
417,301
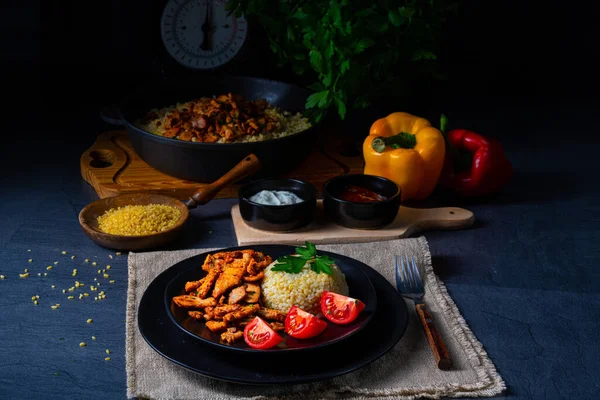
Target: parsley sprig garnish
x,y
294,263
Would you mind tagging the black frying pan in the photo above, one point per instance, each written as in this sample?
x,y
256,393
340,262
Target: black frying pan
x,y
206,162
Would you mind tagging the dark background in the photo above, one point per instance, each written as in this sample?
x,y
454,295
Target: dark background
x,y
496,55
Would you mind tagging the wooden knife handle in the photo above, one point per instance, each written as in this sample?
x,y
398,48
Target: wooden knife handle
x,y
440,352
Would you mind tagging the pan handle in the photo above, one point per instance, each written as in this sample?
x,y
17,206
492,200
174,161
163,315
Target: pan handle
x,y
111,115
248,166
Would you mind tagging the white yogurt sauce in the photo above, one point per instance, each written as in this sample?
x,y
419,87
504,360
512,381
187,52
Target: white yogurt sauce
x,y
275,197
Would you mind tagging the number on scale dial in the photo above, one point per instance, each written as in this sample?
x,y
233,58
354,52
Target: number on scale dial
x,y
201,34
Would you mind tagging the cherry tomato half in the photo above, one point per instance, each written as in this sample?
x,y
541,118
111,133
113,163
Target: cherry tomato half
x,y
340,309
303,325
259,334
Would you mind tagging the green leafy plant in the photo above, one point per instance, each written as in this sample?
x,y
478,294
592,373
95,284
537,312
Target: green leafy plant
x,y
294,263
351,50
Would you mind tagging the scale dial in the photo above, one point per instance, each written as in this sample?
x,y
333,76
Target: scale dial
x,y
200,34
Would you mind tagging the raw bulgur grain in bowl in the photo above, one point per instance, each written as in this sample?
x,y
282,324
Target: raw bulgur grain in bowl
x,y
281,290
137,220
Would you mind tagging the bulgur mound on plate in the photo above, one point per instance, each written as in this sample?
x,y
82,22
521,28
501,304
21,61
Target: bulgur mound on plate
x,y
281,290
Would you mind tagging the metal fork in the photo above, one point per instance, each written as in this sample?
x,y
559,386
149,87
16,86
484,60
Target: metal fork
x,y
410,285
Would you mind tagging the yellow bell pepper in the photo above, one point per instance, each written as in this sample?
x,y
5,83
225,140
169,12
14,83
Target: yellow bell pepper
x,y
407,150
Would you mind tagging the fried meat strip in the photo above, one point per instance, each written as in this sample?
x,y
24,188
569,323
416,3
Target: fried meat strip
x,y
252,291
187,301
209,313
271,314
277,326
231,335
229,278
220,311
193,285
237,294
204,284
209,263
195,314
216,326
241,313
254,278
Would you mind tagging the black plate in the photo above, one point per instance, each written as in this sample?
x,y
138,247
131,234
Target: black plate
x,y
359,286
384,330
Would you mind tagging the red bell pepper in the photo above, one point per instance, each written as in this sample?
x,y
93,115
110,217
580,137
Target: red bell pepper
x,y
488,171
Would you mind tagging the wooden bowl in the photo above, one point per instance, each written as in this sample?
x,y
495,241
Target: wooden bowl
x,y
88,216
88,219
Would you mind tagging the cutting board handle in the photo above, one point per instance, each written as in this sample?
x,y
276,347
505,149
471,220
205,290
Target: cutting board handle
x,y
430,219
248,166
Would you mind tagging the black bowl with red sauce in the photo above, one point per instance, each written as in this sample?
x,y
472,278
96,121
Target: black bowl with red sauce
x,y
359,201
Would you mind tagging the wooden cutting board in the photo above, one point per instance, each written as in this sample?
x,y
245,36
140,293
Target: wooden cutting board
x,y
408,222
112,167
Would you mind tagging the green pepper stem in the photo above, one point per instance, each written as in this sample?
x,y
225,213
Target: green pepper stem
x,y
443,124
402,140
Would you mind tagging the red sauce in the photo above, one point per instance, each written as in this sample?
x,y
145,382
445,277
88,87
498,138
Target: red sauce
x,y
359,194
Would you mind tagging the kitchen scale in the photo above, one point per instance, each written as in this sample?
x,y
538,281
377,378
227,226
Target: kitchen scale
x,y
202,35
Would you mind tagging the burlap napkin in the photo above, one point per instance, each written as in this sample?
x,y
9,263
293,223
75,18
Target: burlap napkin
x,y
408,371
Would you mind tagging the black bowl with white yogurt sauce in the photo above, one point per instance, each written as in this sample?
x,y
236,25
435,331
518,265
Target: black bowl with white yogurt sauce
x,y
265,210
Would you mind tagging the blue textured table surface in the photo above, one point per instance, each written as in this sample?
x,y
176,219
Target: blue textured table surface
x,y
525,277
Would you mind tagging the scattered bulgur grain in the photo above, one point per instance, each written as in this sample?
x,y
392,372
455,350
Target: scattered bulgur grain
x,y
99,271
29,250
86,294
30,260
39,274
106,276
107,351
108,267
35,302
110,256
107,358
93,337
86,260
49,267
72,257
64,290
45,274
136,220
55,262
25,270
53,286
118,253
2,277
32,297
54,307
25,275
37,296
112,281
64,252
94,263
70,297
89,321
82,344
